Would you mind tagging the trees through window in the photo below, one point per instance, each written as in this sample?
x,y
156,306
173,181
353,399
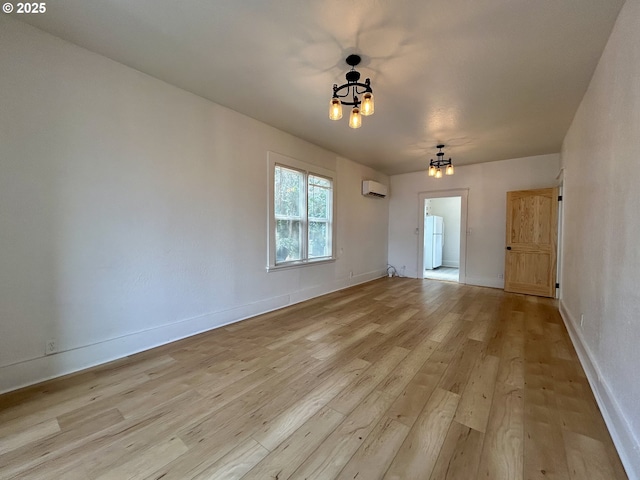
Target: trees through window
x,y
303,215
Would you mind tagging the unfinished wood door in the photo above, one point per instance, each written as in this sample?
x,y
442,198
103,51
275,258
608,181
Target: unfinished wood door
x,y
532,230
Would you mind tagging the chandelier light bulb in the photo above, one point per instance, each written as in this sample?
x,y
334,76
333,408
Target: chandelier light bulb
x,y
432,171
335,109
449,170
367,104
438,173
355,120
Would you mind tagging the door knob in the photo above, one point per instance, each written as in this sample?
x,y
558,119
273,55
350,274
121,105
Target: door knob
x,y
508,248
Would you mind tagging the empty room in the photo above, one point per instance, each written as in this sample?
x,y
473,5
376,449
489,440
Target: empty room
x,y
320,240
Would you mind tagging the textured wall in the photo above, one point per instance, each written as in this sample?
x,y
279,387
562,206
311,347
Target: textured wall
x,y
601,264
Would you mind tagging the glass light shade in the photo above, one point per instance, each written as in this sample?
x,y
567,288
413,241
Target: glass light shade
x,y
355,120
335,109
449,170
432,171
367,104
438,173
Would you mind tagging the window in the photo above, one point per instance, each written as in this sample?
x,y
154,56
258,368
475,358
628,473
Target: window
x,y
301,214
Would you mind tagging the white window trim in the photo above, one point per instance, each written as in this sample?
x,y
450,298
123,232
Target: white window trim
x,y
278,159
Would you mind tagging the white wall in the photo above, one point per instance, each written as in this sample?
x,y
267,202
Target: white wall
x,y
449,209
601,260
133,213
486,221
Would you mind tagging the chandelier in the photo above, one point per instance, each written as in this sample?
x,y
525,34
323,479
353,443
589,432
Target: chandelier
x,y
435,166
350,92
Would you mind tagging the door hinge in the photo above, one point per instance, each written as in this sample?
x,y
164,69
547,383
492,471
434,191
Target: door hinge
x,y
559,198
557,285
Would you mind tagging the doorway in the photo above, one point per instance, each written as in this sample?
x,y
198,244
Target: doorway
x,y
442,229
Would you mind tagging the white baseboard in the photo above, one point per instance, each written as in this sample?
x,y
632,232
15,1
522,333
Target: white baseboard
x,y
484,281
450,263
626,443
309,293
30,372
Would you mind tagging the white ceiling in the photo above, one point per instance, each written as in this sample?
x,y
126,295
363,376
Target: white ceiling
x,y
491,79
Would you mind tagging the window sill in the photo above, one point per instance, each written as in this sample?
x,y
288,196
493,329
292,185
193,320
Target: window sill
x,y
289,266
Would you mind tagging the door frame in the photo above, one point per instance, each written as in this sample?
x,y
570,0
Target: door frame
x,y
463,193
559,246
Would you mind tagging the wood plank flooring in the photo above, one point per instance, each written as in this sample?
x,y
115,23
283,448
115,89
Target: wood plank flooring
x,y
395,379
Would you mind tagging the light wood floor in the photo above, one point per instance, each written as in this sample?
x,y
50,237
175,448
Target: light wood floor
x,y
396,379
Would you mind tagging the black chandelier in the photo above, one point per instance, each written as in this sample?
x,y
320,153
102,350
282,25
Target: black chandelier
x,y
351,90
435,166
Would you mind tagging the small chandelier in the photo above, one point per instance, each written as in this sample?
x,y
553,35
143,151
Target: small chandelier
x,y
351,90
435,166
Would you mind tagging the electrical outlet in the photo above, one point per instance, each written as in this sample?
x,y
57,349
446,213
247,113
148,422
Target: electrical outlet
x,y
51,346
581,320
501,276
351,274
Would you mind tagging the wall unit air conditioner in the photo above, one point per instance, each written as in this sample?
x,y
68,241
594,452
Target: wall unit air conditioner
x,y
373,189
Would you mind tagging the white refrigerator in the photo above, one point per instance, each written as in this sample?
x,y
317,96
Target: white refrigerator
x,y
433,241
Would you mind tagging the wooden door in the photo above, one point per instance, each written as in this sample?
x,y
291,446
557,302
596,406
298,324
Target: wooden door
x,y
532,230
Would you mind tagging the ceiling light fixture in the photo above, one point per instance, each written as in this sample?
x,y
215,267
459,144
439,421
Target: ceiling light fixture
x,y
351,90
435,166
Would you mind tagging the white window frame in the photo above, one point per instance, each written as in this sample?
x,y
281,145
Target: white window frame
x,y
276,159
